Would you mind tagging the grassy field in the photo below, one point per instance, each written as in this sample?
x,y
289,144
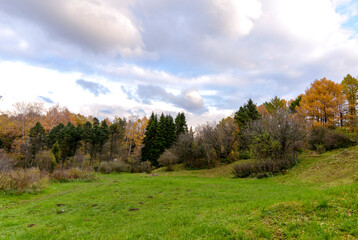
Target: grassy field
x,y
318,199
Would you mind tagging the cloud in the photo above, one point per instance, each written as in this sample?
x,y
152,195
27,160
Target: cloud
x,y
93,87
189,100
223,51
46,99
100,26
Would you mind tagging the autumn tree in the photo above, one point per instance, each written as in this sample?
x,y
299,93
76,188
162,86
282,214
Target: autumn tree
x,y
134,134
321,102
350,91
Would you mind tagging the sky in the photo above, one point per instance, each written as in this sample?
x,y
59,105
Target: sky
x,y
110,58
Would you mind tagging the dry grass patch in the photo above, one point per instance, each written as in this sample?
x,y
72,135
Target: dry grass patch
x,y
73,174
23,180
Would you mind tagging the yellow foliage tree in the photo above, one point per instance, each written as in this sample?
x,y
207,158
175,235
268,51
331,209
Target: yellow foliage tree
x,y
322,103
350,91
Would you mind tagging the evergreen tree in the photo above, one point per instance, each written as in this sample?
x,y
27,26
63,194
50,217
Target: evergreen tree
x,y
170,131
87,136
37,140
246,113
180,124
55,135
116,134
150,151
295,104
161,138
70,141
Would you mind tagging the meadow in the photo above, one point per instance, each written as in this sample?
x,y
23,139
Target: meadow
x,y
317,199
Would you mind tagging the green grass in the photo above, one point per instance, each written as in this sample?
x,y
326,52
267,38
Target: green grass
x,y
309,202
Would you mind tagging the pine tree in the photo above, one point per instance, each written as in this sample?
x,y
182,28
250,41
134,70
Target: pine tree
x,y
55,135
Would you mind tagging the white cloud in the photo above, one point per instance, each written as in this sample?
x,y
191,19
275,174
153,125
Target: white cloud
x,y
227,50
98,26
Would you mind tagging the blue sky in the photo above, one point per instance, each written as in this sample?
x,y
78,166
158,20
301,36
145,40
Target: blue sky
x,y
206,57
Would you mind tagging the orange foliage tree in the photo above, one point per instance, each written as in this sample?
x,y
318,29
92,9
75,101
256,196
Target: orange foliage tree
x,y
322,103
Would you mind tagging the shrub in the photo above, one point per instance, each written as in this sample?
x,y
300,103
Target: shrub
x,y
23,180
330,139
45,160
73,174
168,159
114,166
144,167
263,168
319,148
244,155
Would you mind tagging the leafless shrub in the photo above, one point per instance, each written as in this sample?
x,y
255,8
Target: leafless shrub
x,y
263,168
114,166
168,159
23,180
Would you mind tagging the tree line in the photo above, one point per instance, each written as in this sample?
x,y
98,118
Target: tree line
x,y
323,117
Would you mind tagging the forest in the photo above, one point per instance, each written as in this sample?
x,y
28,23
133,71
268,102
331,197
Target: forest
x,y
273,133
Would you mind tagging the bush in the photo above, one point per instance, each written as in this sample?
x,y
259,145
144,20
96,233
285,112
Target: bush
x,y
45,160
23,180
263,168
168,159
330,139
319,148
144,167
114,166
72,174
244,155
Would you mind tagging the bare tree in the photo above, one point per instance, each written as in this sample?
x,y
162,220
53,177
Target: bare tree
x,y
275,136
221,137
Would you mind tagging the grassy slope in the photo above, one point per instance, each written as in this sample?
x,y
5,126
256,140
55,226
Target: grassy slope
x,y
316,200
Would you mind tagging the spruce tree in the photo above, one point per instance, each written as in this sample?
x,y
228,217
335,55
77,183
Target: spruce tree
x,y
246,113
150,151
170,131
161,139
180,124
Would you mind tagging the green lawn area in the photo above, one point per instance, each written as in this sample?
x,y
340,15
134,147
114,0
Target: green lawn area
x,y
309,202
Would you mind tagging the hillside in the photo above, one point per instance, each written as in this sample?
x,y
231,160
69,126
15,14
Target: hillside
x,y
318,199
330,168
